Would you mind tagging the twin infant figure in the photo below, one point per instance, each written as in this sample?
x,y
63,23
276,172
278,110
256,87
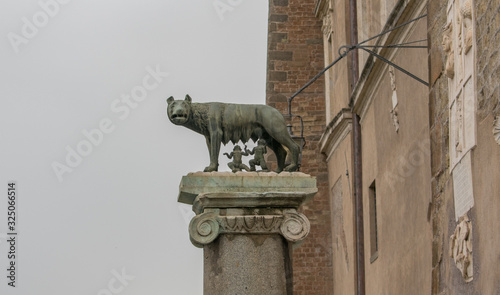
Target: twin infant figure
x,y
259,151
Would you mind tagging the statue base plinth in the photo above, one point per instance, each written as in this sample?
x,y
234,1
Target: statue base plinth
x,y
246,223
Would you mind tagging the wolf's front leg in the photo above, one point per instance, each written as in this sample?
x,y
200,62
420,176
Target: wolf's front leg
x,y
213,143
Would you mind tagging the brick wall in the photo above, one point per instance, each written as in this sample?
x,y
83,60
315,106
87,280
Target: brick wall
x,y
295,55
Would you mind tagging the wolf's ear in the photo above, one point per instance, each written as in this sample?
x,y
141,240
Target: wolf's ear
x,y
170,99
188,98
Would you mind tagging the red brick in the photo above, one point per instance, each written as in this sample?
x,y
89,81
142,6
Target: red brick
x,y
301,58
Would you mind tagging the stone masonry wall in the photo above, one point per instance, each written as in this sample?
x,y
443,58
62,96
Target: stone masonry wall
x,y
439,125
488,66
445,277
295,55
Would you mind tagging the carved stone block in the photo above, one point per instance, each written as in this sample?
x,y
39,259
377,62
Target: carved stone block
x,y
461,248
458,45
496,129
197,183
394,111
246,223
463,191
206,227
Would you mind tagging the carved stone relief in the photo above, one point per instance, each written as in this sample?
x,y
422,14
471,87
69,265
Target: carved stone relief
x,y
463,191
496,129
458,45
327,23
394,111
459,124
466,13
338,220
252,223
205,228
295,227
449,68
459,63
461,248
327,28
459,68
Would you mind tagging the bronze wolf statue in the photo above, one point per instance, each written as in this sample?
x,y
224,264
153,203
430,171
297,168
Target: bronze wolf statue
x,y
223,122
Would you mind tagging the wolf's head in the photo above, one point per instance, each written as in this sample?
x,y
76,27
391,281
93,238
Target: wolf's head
x,y
179,111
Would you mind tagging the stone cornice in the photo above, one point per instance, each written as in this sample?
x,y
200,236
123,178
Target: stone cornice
x,y
253,200
323,12
335,132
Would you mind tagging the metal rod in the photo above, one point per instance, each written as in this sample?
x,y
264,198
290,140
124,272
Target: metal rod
x,y
390,46
303,141
413,42
349,48
396,66
312,81
395,28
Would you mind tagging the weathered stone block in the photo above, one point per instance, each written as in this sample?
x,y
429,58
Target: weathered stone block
x,y
198,183
280,55
278,18
280,2
277,76
277,37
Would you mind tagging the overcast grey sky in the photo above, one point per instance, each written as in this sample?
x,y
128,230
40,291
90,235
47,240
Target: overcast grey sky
x,y
84,133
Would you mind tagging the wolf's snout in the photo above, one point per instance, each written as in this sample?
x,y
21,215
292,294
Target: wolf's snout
x,y
179,115
174,116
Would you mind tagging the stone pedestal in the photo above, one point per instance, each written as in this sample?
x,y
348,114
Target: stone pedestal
x,y
247,223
